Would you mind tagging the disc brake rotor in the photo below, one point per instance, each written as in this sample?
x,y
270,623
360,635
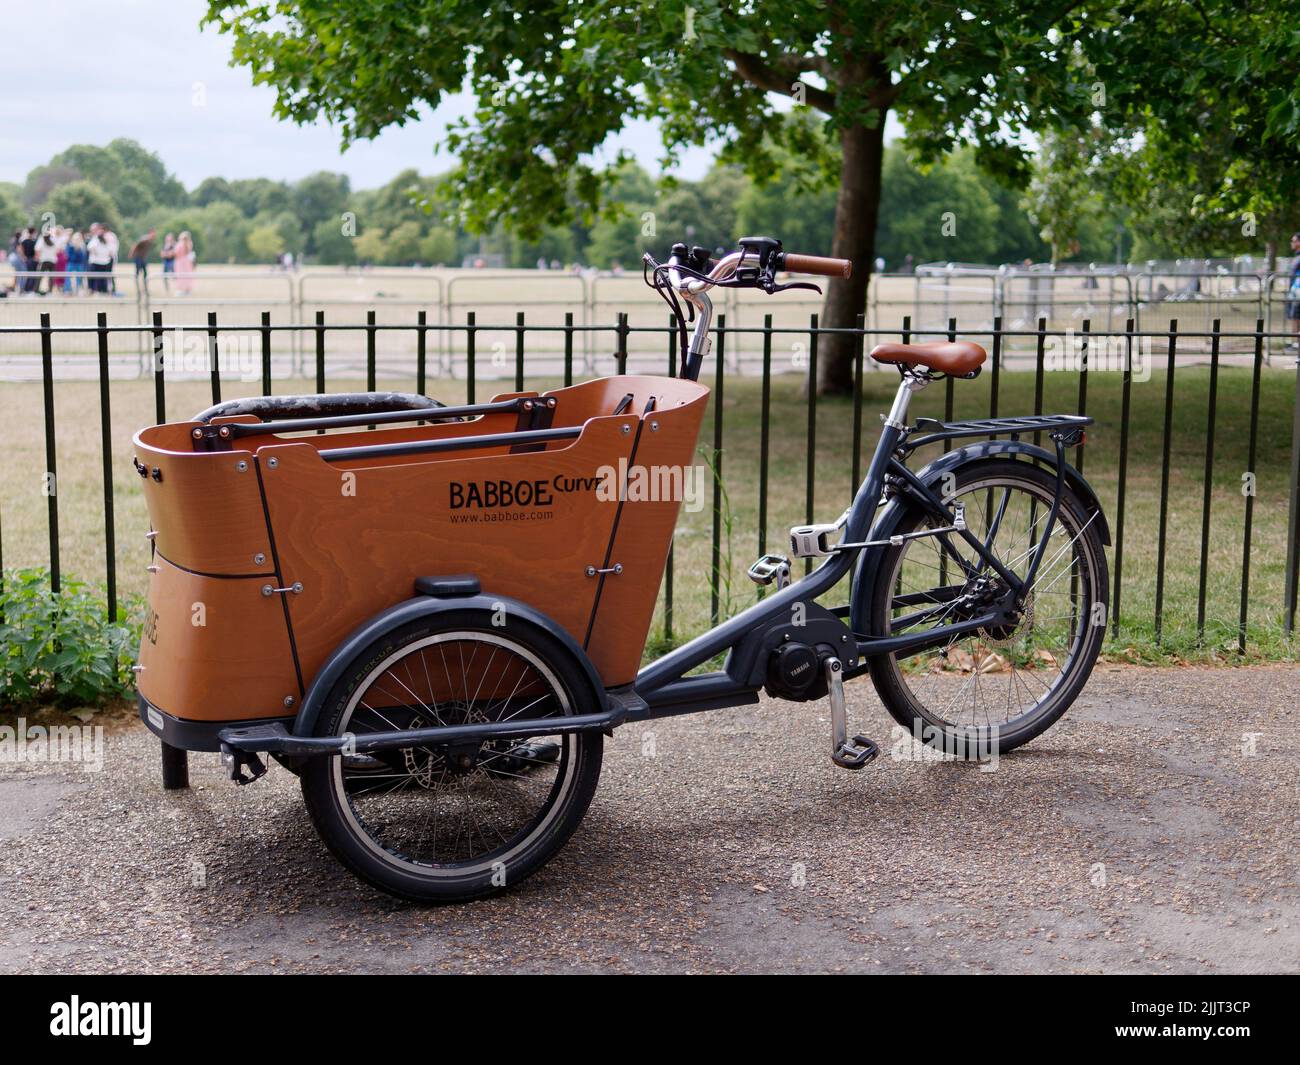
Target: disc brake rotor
x,y
1005,636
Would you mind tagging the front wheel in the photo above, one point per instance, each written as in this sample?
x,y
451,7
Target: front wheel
x,y
993,689
448,824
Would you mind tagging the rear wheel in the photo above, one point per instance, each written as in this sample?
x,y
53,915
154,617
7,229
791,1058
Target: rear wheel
x,y
995,688
438,823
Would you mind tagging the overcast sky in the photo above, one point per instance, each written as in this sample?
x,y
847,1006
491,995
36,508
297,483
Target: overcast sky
x,y
93,70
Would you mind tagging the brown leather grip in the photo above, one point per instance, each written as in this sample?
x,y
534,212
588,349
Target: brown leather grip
x,y
818,264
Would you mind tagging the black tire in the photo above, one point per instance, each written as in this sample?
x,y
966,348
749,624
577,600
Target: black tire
x,y
333,793
897,681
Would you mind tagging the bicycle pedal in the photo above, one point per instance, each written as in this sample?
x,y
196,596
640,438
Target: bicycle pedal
x,y
771,568
855,753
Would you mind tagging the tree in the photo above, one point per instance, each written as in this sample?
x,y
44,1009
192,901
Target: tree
x,y
12,215
219,229
254,196
370,246
80,203
554,85
940,213
45,179
266,242
317,198
210,190
1217,115
333,245
438,247
1057,196
135,177
402,246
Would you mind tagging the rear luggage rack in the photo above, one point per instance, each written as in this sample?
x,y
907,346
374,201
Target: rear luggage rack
x,y
1032,423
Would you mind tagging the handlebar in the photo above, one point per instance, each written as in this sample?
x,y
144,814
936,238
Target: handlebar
x,y
690,273
817,264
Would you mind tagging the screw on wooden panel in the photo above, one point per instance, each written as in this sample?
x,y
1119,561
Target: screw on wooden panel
x,y
151,569
241,465
288,700
273,462
259,559
197,434
654,427
224,431
137,669
626,429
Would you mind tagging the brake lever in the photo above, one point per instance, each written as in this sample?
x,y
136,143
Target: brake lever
x,y
792,284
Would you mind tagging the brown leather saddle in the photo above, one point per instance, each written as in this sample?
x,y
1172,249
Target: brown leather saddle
x,y
957,358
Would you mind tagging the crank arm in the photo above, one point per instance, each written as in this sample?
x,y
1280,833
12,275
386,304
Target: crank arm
x,y
845,754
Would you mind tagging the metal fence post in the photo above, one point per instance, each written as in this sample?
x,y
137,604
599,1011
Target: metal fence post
x,y
1293,514
1250,495
106,451
1161,538
51,484
159,371
1122,476
1209,475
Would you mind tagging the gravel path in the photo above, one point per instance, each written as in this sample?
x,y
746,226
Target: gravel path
x,y
1138,835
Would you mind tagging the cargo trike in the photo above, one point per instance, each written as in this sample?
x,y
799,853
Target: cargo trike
x,y
435,615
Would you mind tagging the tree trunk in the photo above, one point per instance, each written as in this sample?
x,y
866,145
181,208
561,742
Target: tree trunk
x,y
856,210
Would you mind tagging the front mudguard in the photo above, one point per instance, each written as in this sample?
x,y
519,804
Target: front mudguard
x,y
418,609
866,572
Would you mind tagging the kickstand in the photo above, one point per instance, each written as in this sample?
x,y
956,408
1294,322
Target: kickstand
x,y
845,754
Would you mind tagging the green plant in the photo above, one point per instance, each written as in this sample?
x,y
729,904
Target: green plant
x,y
59,647
720,575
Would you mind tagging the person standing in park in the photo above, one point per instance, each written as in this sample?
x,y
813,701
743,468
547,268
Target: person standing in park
x,y
185,263
140,256
47,259
76,262
1293,296
60,279
168,256
99,258
16,261
110,283
28,246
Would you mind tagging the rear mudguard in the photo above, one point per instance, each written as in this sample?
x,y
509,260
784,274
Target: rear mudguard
x,y
869,561
418,609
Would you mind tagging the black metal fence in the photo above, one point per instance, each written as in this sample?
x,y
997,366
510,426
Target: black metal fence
x,y
1132,355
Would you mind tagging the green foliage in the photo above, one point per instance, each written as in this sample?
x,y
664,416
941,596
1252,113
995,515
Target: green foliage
x,y
331,244
12,215
552,88
943,213
266,242
43,180
134,177
80,203
60,648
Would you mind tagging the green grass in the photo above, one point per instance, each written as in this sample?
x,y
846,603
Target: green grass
x,y
23,504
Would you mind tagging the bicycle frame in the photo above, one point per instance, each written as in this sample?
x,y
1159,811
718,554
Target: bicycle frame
x,y
664,684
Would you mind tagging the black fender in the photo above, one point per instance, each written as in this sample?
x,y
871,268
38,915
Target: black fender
x,y
417,609
868,564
